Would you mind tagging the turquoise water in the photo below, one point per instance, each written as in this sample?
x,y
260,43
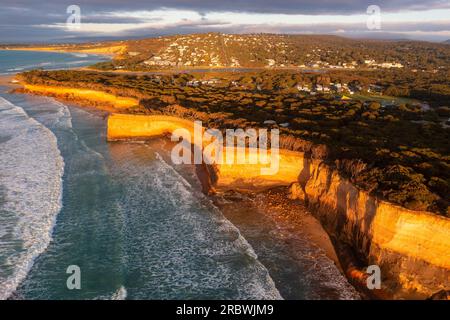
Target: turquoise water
x,y
137,226
18,61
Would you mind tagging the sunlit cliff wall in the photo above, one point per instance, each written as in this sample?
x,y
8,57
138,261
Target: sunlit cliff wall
x,y
412,248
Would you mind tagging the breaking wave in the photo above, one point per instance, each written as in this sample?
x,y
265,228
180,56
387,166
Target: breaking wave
x,y
30,192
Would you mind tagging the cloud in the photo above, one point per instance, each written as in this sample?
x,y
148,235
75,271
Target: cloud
x,y
44,21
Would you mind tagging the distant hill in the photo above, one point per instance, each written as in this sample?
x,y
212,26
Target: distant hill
x,y
274,50
447,42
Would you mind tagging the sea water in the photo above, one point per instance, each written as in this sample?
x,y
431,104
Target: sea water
x,y
137,226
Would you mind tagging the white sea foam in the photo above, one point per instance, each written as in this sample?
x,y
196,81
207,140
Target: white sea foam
x,y
31,66
16,69
79,55
31,170
62,117
256,284
120,294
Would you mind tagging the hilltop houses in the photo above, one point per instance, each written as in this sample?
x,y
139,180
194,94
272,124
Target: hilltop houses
x,y
193,83
158,61
386,65
375,89
321,88
389,65
210,82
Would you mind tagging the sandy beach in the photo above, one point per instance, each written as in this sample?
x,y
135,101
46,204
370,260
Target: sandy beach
x,y
273,205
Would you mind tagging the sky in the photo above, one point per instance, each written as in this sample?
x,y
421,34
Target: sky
x,y
24,21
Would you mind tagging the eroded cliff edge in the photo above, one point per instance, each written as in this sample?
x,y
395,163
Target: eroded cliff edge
x,y
412,248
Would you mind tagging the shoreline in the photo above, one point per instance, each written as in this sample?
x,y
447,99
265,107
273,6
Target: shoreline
x,y
302,235
353,243
283,210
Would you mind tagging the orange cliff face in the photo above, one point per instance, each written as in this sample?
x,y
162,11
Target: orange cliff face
x,y
127,126
103,100
243,175
410,247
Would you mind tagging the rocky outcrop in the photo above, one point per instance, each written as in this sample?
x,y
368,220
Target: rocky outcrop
x,y
410,247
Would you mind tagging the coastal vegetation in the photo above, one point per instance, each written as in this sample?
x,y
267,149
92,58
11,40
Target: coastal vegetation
x,y
395,148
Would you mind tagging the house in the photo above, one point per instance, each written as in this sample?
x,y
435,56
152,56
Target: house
x,y
336,87
375,89
193,83
303,87
211,81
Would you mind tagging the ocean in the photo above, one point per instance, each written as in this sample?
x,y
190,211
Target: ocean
x,y
137,226
18,61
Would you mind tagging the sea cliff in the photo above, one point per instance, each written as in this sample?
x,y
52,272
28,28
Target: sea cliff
x,y
113,50
410,247
100,99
